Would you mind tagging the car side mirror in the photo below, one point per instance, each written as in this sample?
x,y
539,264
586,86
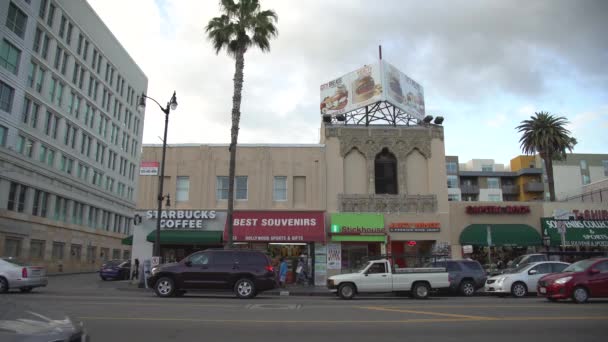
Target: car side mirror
x,y
532,272
594,271
188,263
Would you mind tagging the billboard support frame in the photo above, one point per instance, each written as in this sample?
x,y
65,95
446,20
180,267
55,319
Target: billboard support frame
x,y
379,111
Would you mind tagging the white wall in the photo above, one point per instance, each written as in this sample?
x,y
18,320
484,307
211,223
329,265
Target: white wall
x,y
484,194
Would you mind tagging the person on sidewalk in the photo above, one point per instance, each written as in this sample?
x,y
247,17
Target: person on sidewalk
x,y
302,271
282,272
135,273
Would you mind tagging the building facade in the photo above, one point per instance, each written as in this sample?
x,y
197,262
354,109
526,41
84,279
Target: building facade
x,y
576,173
70,136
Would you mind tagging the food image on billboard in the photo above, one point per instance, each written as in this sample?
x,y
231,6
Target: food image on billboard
x,y
403,92
352,91
370,84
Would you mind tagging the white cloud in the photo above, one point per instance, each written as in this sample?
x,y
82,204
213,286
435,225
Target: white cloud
x,y
462,60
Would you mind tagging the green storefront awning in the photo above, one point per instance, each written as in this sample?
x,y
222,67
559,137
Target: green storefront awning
x,y
501,235
187,237
128,240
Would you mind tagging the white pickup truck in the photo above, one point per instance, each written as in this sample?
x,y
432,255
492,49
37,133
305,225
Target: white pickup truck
x,y
378,276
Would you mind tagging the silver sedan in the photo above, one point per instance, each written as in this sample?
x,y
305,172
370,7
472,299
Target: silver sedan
x,y
16,275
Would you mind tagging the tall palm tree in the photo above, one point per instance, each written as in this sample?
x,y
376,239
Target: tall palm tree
x,y
242,25
546,135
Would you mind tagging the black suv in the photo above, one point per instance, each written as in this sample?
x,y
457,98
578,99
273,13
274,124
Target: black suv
x,y
245,272
466,276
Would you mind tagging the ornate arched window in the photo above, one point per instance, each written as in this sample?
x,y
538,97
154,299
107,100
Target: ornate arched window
x,y
385,167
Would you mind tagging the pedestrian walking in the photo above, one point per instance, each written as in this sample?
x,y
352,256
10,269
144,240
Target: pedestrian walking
x,y
135,273
302,271
282,272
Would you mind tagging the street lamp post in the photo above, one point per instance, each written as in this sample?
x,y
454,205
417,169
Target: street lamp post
x,y
171,105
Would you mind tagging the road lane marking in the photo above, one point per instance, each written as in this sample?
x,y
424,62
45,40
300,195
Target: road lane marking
x,y
415,320
376,308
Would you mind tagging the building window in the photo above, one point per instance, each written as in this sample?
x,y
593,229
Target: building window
x,y
12,247
45,46
25,146
16,20
61,209
49,19
487,168
494,198
40,203
454,197
605,164
58,248
78,213
10,56
116,254
40,80
452,182
67,164
451,167
37,249
46,155
386,173
279,189
183,189
240,188
493,183
76,252
586,180
583,165
42,11
3,133
6,97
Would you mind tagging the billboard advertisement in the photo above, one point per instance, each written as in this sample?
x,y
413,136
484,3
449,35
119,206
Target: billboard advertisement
x,y
370,84
403,92
278,226
354,90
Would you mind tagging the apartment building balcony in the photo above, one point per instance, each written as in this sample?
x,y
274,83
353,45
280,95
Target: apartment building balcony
x,y
534,187
387,203
469,189
510,189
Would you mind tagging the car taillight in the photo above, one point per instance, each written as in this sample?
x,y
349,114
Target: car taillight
x,y
269,268
24,272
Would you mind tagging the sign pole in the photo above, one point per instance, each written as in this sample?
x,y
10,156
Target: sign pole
x,y
489,231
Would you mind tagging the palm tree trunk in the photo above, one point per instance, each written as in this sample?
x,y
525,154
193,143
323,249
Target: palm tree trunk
x,y
234,134
549,165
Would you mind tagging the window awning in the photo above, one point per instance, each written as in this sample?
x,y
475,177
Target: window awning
x,y
501,235
128,240
187,237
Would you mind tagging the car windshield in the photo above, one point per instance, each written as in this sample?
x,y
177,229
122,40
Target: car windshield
x,y
363,267
518,269
14,261
113,263
579,266
517,260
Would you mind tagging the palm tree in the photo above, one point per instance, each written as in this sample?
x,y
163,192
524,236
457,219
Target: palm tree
x,y
241,26
546,135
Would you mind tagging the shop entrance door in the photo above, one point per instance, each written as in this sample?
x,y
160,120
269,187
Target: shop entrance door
x,y
353,257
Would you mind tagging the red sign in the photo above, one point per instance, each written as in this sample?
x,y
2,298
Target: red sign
x,y
411,243
414,227
496,209
278,226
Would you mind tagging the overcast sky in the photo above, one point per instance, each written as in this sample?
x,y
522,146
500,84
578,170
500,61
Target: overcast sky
x,y
484,65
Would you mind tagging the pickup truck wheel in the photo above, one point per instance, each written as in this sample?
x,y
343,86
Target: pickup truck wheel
x,y
467,288
346,291
421,291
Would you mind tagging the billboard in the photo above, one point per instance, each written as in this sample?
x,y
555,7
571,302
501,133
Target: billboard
x,y
148,168
372,83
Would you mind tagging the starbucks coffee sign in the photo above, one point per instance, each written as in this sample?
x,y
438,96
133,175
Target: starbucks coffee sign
x,y
187,219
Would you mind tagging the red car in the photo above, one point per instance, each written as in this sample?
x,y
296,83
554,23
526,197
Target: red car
x,y
579,281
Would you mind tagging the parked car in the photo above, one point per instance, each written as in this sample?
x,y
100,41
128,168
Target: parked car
x,y
522,280
17,275
527,259
466,276
580,281
245,272
378,276
19,322
115,269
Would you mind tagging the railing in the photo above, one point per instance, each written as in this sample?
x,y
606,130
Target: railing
x,y
534,187
469,189
387,203
594,196
510,189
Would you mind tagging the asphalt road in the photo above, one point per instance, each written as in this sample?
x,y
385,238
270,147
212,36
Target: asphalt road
x,y
111,313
